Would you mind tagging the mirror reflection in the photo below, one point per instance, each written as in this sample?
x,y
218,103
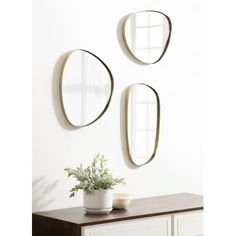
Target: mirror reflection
x,y
86,88
142,123
146,35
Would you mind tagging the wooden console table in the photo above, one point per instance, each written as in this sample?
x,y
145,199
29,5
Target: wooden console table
x,y
169,215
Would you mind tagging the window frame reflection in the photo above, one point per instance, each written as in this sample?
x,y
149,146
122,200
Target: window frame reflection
x,y
133,48
74,88
132,129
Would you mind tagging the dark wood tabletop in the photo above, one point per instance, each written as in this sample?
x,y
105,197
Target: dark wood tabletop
x,y
138,208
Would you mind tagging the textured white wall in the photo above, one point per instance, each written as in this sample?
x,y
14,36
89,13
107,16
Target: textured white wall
x,y
62,25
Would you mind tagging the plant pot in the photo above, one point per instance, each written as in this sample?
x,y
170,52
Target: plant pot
x,y
98,202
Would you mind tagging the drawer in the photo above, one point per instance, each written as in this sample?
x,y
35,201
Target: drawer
x,y
188,224
150,226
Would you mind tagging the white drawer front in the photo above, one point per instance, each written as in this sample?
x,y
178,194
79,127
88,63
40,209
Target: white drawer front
x,y
188,224
150,226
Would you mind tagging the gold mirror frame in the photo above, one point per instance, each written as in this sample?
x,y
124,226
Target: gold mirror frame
x,y
130,87
61,92
126,44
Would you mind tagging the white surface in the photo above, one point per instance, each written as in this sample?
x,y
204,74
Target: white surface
x,y
184,224
59,26
188,224
100,199
152,226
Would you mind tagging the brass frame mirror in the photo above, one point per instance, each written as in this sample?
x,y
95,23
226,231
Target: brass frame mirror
x,y
146,35
142,122
86,87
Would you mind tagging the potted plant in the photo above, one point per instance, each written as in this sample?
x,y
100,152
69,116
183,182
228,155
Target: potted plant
x,y
97,183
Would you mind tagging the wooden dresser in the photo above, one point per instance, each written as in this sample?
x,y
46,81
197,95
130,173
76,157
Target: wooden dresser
x,y
169,215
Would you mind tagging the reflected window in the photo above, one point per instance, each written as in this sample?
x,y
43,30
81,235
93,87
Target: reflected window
x,y
147,35
143,123
86,87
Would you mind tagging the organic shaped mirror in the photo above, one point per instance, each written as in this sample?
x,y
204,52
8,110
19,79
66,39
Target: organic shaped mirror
x,y
142,123
86,88
146,35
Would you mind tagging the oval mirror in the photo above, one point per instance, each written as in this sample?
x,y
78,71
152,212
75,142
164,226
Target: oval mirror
x,y
142,123
146,35
86,87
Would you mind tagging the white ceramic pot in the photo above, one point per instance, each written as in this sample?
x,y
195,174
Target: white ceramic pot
x,y
121,200
98,202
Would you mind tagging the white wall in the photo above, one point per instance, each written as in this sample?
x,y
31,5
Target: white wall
x,y
62,25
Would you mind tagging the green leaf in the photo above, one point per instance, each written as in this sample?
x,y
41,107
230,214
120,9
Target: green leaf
x,y
93,177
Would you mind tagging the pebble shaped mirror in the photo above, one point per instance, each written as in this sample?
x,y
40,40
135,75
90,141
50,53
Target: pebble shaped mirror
x,y
86,87
142,123
146,35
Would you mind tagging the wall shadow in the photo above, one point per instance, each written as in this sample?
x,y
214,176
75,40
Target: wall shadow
x,y
122,44
40,191
56,97
123,132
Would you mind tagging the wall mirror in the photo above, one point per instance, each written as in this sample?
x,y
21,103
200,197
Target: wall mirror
x,y
146,35
86,87
142,123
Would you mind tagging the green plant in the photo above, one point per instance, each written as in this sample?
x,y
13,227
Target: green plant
x,y
94,177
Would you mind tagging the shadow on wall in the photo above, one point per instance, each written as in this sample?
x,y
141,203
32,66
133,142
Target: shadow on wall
x,y
123,131
56,97
40,192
